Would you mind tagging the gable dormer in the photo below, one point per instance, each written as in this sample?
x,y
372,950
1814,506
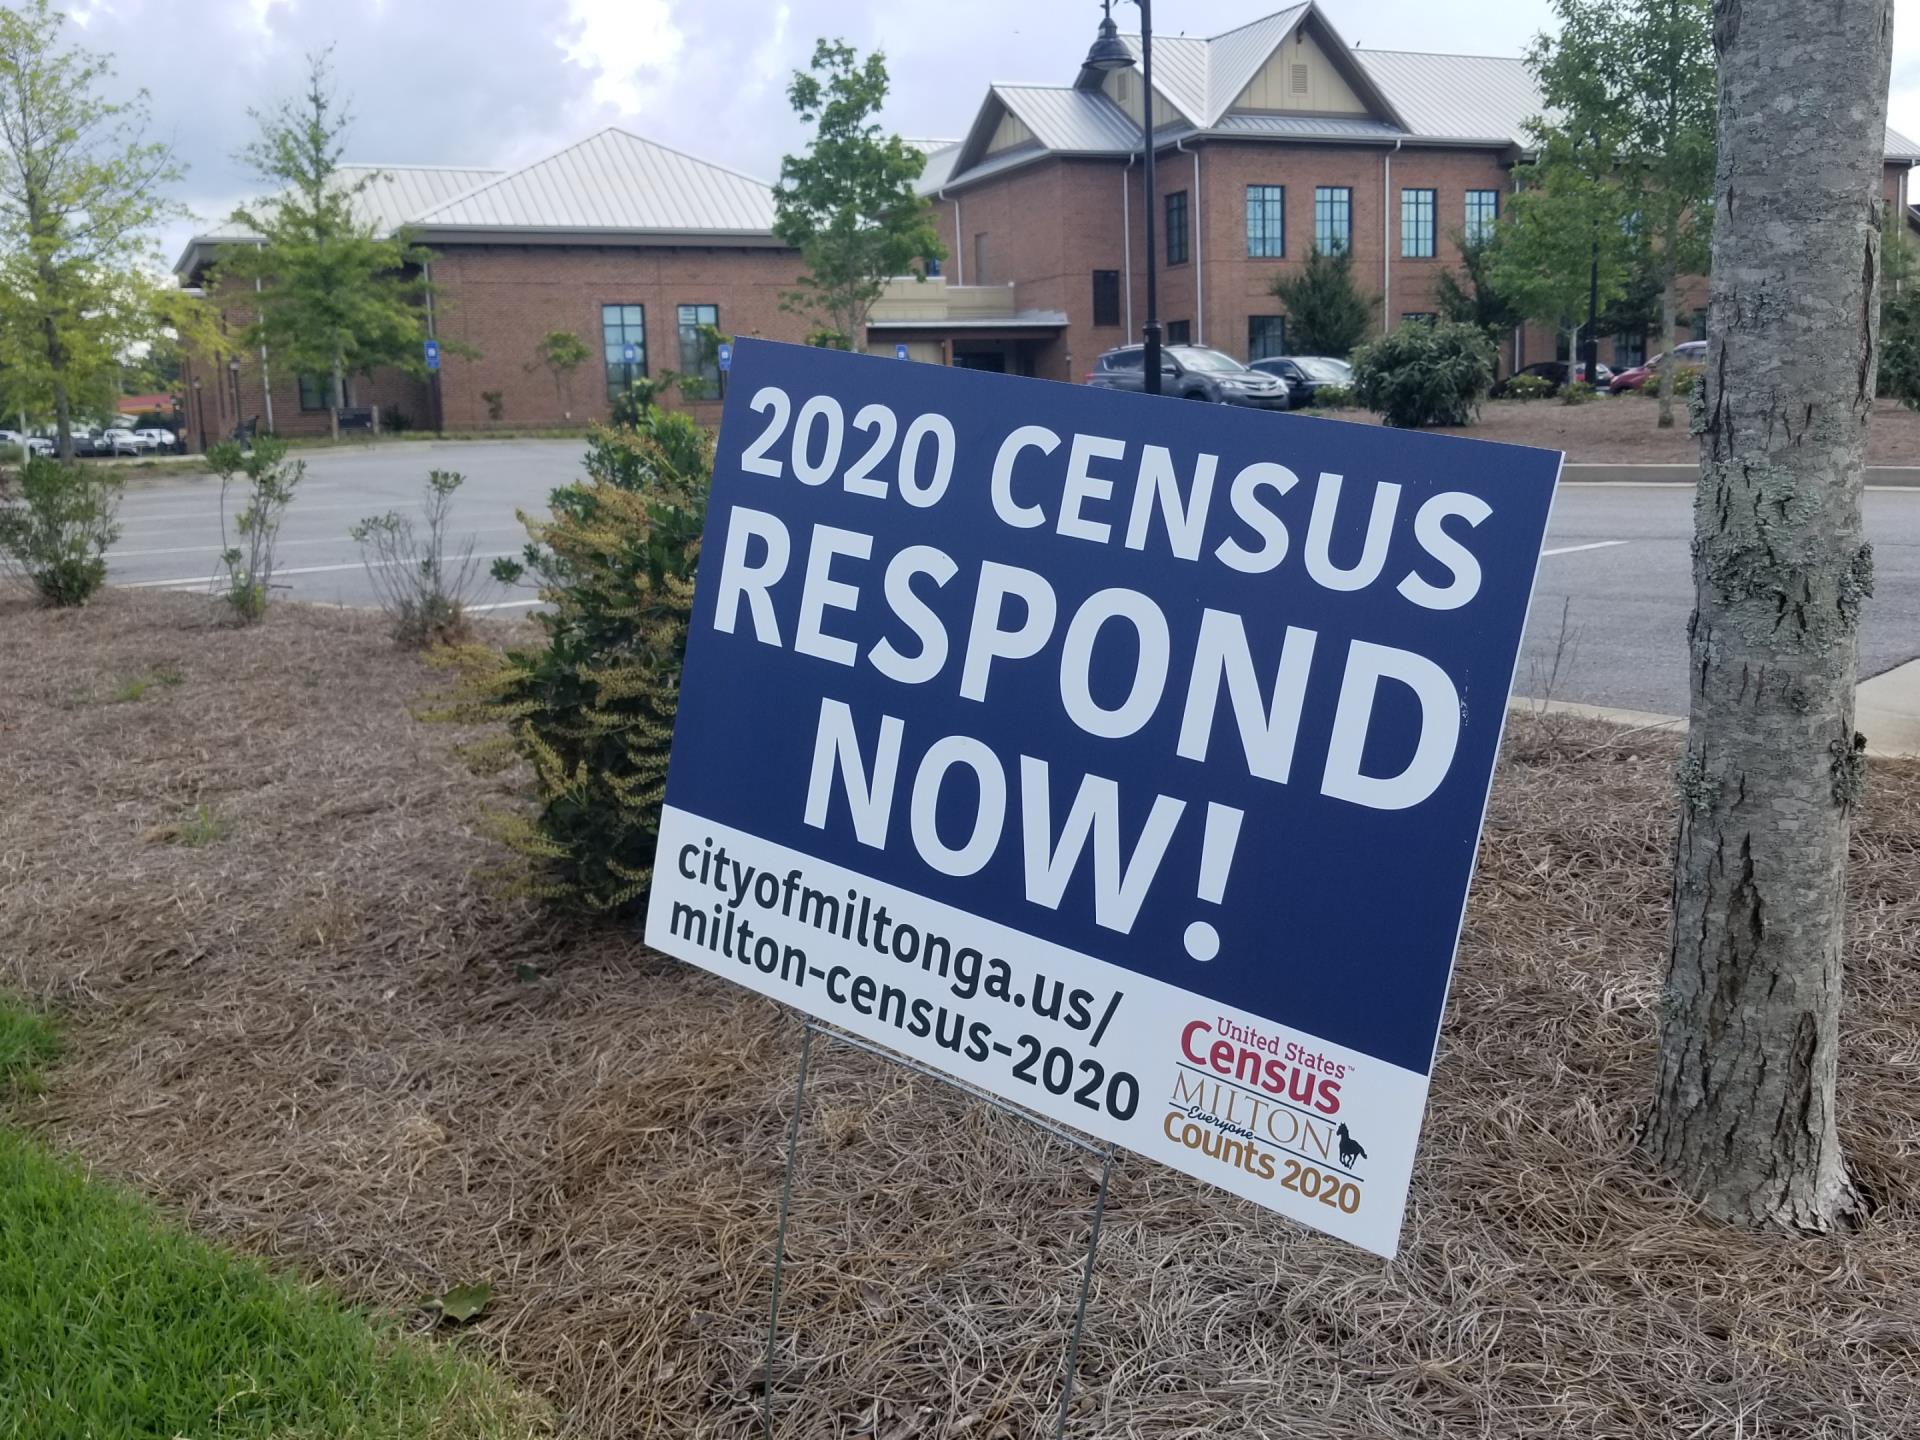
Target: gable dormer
x,y
1125,88
1300,78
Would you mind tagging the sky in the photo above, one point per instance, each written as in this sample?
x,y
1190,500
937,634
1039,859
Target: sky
x,y
504,82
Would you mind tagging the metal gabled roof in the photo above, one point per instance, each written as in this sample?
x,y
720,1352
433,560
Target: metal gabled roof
x,y
1308,127
1233,59
1899,147
615,182
1455,97
1075,121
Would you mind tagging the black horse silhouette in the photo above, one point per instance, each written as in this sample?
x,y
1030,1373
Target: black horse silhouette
x,y
1350,1148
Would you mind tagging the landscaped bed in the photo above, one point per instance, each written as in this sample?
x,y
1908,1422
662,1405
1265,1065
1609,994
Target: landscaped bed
x,y
305,1013
1624,430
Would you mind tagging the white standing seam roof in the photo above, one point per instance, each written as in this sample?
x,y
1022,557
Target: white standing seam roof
x,y
1899,147
1456,97
392,195
613,181
1204,77
1076,121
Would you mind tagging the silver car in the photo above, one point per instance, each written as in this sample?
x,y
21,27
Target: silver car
x,y
1192,372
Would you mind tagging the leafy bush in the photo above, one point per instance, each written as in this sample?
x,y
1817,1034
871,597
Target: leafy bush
x,y
1576,392
1434,373
396,422
1685,380
496,401
267,480
1333,397
1527,387
57,523
423,593
592,710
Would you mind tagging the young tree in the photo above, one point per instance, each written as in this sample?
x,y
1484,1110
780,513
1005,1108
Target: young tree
x,y
1743,1110
1326,313
1475,300
847,204
1636,77
339,298
562,352
1564,221
79,202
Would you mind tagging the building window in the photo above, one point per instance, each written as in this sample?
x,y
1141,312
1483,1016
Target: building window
x,y
622,326
1417,317
1266,335
1332,219
1629,349
1106,297
980,258
699,352
1483,212
1266,221
314,390
1177,228
1416,224
1179,332
1699,328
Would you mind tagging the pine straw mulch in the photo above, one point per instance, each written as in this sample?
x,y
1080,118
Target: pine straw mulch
x,y
305,1017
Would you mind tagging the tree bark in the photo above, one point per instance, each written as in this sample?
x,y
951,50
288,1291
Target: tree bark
x,y
1743,1110
339,389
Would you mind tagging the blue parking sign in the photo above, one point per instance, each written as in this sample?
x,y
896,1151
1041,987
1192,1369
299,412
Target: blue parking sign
x,y
726,356
1128,757
629,354
900,350
432,348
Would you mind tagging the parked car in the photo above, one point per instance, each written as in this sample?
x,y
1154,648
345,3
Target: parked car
x,y
121,442
1689,356
158,441
1192,372
1307,375
1554,372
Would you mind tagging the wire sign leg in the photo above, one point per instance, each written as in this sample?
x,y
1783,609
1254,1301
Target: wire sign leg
x,y
780,1238
1086,1285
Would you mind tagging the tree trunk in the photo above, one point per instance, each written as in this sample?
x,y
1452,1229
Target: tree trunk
x,y
1743,1109
339,388
1669,338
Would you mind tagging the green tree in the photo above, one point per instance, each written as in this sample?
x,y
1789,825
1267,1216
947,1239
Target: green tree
x,y
847,204
1326,313
1634,79
1472,297
1564,219
562,352
80,200
338,297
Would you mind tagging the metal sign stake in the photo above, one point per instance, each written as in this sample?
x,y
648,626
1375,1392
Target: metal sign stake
x,y
809,1029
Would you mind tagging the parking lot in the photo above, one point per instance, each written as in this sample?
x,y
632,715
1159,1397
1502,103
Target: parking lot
x,y
1615,564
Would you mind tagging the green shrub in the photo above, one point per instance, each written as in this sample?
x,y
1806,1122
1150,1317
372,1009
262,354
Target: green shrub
x,y
592,710
424,589
1528,387
1333,397
1576,392
57,523
1433,373
266,480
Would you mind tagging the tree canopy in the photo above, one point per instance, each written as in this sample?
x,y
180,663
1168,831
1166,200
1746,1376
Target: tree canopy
x,y
1326,313
82,192
847,204
337,296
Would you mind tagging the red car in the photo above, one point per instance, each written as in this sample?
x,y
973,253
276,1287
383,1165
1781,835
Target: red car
x,y
1690,356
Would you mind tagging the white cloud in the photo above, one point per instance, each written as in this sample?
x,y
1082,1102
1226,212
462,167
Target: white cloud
x,y
620,42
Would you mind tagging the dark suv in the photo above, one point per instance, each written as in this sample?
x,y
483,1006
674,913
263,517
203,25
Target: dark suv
x,y
1192,372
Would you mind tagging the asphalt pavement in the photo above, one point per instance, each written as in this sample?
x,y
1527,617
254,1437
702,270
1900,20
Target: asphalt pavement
x,y
1612,600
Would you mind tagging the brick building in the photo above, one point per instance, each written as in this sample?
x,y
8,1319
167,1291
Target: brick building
x,y
628,245
1268,139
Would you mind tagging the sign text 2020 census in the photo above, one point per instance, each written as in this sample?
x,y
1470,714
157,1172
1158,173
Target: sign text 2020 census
x,y
1125,757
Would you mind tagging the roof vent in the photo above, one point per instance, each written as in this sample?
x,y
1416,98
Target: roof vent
x,y
1298,82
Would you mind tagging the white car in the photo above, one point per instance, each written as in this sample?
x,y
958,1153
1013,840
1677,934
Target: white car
x,y
156,439
32,444
123,442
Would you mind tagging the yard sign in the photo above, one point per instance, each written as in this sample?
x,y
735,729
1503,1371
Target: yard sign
x,y
1122,756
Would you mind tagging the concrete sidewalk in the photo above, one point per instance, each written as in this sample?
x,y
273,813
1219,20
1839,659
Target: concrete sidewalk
x,y
1886,711
1587,472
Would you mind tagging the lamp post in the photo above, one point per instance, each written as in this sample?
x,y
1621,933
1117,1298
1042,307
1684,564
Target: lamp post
x,y
200,414
233,373
1110,53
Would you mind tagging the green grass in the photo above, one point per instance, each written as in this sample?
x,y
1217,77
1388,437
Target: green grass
x,y
115,1325
134,688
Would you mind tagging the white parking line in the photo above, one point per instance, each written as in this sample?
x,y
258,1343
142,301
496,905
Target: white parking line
x,y
213,547
301,570
508,605
1576,549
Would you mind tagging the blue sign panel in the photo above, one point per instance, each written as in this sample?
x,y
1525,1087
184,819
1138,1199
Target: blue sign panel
x,y
1122,756
629,354
432,348
900,350
726,356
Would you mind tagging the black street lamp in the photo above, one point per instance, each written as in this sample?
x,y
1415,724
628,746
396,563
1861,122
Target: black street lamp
x,y
233,373
1110,53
